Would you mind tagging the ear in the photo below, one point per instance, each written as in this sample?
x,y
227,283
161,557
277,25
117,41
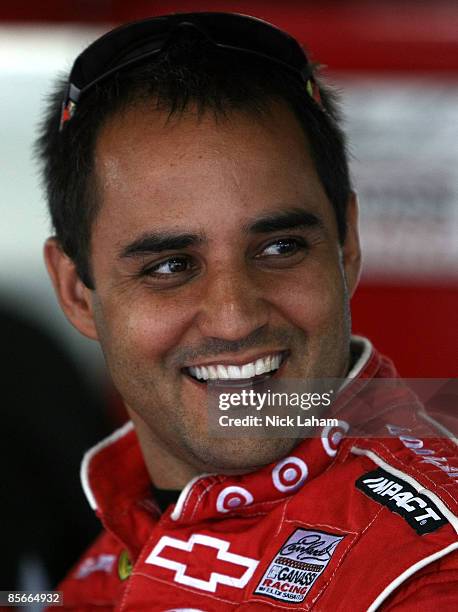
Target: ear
x,y
74,297
351,251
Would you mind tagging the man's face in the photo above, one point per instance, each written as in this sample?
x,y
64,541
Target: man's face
x,y
215,246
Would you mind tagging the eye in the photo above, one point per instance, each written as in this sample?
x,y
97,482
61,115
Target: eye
x,y
283,247
171,266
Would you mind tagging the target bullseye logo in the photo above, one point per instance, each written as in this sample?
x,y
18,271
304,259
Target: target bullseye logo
x,y
233,497
331,437
289,474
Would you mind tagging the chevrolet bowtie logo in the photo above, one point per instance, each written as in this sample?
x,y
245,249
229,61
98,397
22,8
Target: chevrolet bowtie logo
x,y
188,567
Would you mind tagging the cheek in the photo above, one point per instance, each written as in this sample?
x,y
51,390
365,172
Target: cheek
x,y
148,329
312,300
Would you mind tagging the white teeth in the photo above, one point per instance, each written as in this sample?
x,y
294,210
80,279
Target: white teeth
x,y
222,372
248,370
260,367
233,372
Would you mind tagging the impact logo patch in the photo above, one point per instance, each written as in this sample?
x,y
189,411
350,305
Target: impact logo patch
x,y
401,497
297,565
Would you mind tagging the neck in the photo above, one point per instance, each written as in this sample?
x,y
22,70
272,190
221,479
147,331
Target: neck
x,y
165,469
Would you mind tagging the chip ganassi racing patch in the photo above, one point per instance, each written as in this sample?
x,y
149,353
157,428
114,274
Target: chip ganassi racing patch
x,y
297,565
401,497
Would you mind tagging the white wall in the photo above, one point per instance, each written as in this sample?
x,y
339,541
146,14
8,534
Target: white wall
x,y
30,57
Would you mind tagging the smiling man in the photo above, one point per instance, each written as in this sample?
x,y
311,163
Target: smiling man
x,y
206,233
228,258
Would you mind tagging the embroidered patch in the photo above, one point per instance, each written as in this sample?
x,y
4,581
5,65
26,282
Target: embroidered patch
x,y
401,497
201,555
297,565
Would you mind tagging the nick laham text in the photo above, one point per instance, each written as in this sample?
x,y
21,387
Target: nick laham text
x,y
276,421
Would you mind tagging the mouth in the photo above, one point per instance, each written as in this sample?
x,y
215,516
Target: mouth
x,y
249,373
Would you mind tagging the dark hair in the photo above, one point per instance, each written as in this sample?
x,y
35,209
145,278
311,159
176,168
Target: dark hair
x,y
189,71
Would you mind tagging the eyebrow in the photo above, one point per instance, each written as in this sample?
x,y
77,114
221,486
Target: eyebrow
x,y
159,242
294,218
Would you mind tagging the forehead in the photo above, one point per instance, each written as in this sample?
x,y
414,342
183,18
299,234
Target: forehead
x,y
171,168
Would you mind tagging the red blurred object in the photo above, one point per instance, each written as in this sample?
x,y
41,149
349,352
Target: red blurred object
x,y
415,325
353,35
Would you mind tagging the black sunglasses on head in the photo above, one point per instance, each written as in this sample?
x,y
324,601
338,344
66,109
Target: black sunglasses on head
x,y
134,42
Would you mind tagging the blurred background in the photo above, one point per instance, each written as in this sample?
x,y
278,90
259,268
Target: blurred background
x,y
397,66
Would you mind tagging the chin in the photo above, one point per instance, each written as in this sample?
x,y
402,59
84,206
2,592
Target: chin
x,y
238,456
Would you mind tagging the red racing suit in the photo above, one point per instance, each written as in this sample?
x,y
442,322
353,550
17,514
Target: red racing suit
x,y
340,524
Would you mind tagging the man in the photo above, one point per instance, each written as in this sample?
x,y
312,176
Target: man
x,y
206,232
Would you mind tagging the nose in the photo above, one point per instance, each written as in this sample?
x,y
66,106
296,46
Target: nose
x,y
233,306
